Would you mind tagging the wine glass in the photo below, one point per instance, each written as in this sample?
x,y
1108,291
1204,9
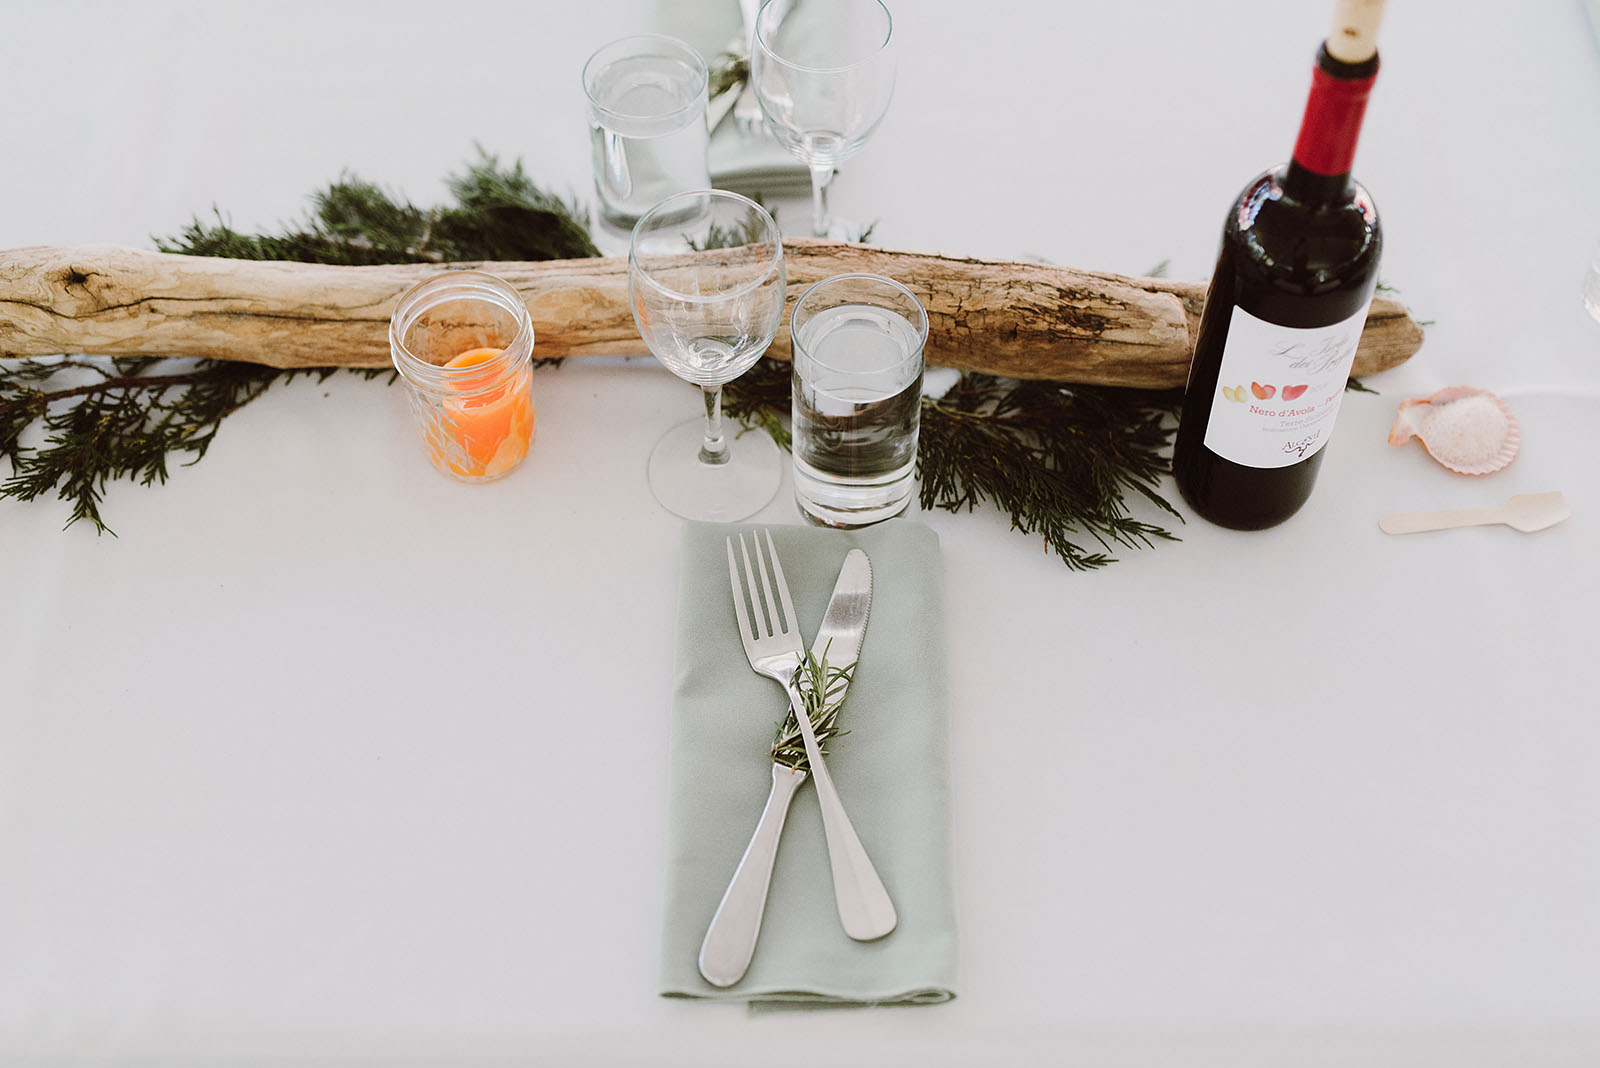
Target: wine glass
x,y
823,72
706,281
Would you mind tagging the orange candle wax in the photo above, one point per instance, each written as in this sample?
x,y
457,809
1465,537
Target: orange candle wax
x,y
483,431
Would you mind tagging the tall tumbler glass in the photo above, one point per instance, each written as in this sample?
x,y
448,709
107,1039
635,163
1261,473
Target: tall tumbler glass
x,y
647,129
857,378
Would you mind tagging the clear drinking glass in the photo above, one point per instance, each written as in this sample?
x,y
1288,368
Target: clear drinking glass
x,y
823,72
706,281
857,377
647,128
463,344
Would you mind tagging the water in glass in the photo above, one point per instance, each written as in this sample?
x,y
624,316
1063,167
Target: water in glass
x,y
647,134
857,398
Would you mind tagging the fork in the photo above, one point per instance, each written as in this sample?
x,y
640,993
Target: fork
x,y
774,648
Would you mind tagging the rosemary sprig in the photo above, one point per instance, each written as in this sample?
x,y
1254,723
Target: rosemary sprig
x,y
727,74
822,690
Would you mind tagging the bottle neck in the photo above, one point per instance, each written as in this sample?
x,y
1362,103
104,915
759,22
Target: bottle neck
x,y
1319,171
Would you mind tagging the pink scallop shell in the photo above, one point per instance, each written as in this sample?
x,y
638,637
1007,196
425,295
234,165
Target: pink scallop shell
x,y
1409,423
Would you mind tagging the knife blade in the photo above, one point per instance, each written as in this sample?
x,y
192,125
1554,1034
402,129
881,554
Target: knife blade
x,y
844,624
730,941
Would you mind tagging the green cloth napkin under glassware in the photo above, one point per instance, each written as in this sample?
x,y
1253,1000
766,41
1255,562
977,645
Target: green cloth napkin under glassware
x,y
891,770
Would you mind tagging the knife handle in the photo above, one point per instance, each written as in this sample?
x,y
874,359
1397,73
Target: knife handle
x,y
731,939
865,910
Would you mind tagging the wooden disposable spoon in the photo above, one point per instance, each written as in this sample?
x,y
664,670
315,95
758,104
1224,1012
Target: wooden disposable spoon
x,y
1526,512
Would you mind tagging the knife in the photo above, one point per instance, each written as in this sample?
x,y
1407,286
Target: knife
x,y
730,941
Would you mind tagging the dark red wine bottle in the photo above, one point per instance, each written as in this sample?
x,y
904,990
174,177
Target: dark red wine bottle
x,y
1286,305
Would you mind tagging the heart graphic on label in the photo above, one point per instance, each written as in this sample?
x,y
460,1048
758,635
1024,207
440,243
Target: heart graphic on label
x,y
1292,383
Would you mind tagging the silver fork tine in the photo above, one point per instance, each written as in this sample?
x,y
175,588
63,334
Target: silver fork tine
x,y
755,602
783,584
738,596
766,588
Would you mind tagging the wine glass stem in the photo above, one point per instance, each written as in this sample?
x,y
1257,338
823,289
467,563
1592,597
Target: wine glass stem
x,y
821,175
714,449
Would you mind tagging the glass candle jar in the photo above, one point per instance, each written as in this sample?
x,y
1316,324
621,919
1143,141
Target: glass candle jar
x,y
463,343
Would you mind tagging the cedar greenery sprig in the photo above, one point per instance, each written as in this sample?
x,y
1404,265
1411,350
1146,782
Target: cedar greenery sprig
x,y
759,399
822,690
125,421
1061,460
498,214
103,420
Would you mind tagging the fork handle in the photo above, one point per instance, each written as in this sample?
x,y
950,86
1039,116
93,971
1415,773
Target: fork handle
x,y
731,939
864,906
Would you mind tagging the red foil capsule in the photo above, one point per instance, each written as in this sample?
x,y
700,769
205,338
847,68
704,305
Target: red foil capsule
x,y
1332,122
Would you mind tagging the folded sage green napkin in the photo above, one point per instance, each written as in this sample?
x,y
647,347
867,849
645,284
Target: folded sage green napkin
x,y
891,770
755,164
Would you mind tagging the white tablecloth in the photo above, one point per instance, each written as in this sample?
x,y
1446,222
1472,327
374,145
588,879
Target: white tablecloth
x,y
327,758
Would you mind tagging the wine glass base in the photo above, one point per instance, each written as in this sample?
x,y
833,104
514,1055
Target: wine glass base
x,y
719,493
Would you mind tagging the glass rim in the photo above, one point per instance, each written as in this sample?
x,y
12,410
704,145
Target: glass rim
x,y
641,272
767,49
921,325
702,74
413,302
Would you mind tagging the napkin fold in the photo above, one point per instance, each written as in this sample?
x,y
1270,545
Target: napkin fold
x,y
754,164
891,770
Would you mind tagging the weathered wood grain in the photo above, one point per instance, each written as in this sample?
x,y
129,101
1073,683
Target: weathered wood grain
x,y
1004,317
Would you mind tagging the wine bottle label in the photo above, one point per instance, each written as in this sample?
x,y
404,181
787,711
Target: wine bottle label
x,y
1279,389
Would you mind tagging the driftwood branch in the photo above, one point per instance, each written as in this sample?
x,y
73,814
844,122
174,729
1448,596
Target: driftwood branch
x,y
1023,320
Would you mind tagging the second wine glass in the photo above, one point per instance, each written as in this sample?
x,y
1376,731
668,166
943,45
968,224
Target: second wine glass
x,y
823,72
706,281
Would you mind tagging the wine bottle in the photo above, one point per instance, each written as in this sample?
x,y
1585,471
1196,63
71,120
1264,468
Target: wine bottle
x,y
1286,305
